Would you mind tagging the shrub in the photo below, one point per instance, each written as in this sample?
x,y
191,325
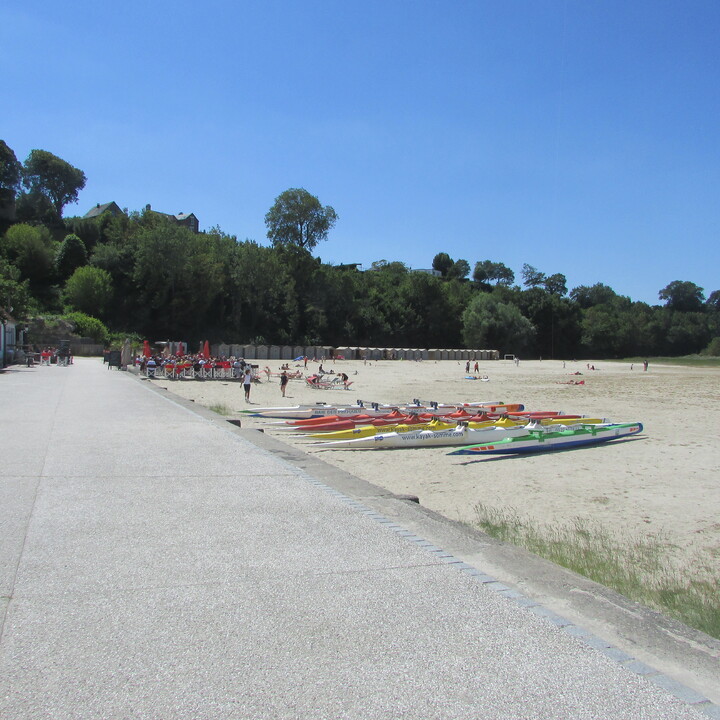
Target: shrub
x,y
713,348
89,289
87,326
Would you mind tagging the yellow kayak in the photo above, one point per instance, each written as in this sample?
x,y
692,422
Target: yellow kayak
x,y
362,431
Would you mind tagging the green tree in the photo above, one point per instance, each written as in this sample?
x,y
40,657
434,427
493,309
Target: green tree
x,y
35,208
118,259
426,310
71,255
177,278
556,321
298,218
713,301
262,298
532,277
457,298
556,284
56,179
460,270
683,295
687,333
442,262
14,292
32,251
596,294
492,324
487,272
10,169
10,180
89,290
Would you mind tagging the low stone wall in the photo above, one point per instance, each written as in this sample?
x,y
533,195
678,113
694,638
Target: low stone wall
x,y
81,349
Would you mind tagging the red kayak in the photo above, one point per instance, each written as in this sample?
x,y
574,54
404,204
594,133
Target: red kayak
x,y
351,423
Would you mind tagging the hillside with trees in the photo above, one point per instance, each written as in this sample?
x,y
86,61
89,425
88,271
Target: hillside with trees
x,y
140,273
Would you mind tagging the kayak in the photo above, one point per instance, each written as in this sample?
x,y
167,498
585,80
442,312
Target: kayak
x,y
361,431
460,435
298,412
350,424
547,438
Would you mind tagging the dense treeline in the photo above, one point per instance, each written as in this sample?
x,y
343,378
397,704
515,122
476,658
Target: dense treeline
x,y
142,273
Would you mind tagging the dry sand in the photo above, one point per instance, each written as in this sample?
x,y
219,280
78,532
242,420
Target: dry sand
x,y
663,483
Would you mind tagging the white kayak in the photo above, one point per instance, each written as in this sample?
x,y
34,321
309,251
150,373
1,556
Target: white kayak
x,y
535,440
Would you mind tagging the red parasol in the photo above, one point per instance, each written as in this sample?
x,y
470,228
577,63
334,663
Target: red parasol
x,y
206,350
147,352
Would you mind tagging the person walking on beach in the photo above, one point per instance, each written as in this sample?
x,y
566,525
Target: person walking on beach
x,y
283,382
247,381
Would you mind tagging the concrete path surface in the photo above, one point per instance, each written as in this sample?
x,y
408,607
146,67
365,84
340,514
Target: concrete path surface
x,y
157,562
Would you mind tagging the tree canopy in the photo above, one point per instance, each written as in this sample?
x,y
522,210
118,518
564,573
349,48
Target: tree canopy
x,y
298,218
52,177
140,272
488,272
683,295
10,169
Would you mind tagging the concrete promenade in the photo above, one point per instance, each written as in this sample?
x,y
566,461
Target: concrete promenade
x,y
158,563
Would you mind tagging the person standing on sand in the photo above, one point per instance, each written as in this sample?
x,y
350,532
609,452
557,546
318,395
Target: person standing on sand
x,y
247,381
283,382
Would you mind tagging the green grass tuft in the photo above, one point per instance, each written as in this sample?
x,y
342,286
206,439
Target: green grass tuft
x,y
638,569
221,409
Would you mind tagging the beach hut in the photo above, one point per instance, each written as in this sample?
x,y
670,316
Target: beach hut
x,y
251,352
286,352
298,351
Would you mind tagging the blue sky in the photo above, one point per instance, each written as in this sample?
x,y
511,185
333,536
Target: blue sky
x,y
580,137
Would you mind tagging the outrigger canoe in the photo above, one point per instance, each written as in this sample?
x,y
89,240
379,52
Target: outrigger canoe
x,y
539,439
299,412
362,431
460,435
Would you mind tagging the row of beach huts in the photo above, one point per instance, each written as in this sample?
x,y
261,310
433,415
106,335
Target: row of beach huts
x,y
318,352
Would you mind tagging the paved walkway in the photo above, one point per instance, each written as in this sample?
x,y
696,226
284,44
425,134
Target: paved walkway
x,y
155,563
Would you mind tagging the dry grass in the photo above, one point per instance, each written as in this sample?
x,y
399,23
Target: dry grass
x,y
638,569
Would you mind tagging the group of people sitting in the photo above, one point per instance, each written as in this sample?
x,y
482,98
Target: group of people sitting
x,y
200,366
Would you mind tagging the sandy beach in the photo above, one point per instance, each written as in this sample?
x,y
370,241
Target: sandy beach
x,y
663,483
